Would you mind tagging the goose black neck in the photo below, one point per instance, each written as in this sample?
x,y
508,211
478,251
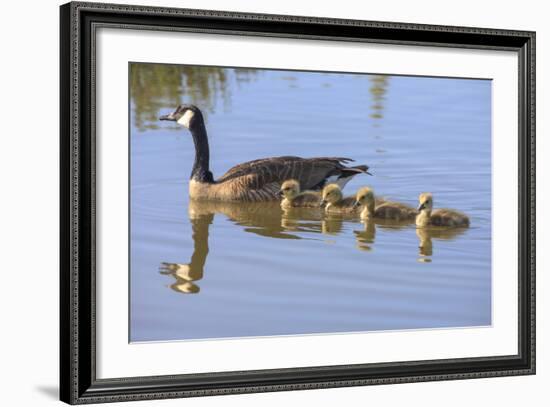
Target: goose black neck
x,y
201,167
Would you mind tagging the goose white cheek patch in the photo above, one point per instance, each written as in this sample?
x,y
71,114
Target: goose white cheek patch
x,y
186,118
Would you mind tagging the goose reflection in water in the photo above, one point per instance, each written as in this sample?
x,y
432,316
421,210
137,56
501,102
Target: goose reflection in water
x,y
263,219
311,220
302,220
269,220
425,235
365,237
187,273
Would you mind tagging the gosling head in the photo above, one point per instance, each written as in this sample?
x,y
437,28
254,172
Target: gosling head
x,y
364,197
290,189
189,116
331,194
425,201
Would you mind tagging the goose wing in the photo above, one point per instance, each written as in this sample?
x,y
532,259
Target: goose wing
x,y
312,173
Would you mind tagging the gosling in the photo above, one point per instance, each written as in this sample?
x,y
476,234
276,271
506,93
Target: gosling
x,y
334,201
293,198
439,217
381,209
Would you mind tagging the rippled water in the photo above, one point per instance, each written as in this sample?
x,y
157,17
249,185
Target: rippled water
x,y
214,270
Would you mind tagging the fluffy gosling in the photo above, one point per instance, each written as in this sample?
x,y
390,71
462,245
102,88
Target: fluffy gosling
x,y
439,217
335,202
380,209
293,198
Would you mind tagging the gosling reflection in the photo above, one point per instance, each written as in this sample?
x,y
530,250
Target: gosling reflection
x,y
425,244
365,237
261,218
187,273
332,225
269,220
297,219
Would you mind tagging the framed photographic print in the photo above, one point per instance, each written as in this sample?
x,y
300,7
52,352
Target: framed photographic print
x,y
255,203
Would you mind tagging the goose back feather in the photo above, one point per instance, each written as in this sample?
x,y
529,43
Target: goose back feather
x,y
449,217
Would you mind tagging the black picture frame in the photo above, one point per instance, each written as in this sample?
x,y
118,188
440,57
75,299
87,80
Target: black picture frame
x,y
78,382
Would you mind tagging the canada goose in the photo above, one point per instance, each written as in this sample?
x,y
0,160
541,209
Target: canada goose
x,y
258,180
335,202
293,198
439,217
381,209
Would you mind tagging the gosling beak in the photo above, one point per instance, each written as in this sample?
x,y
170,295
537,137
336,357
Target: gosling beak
x,y
420,207
281,194
169,117
355,204
322,203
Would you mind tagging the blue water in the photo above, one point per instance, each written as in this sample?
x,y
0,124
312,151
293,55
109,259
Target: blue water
x,y
250,270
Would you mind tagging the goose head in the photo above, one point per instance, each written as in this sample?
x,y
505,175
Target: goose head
x,y
187,115
425,201
290,189
364,197
425,206
331,194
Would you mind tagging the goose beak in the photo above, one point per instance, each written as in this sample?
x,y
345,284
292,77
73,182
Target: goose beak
x,y
169,117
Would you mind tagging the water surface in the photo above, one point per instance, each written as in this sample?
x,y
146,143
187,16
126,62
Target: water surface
x,y
216,270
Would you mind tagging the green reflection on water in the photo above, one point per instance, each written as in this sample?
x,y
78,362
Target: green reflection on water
x,y
161,86
378,90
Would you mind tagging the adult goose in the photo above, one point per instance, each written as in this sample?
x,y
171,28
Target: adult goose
x,y
258,180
